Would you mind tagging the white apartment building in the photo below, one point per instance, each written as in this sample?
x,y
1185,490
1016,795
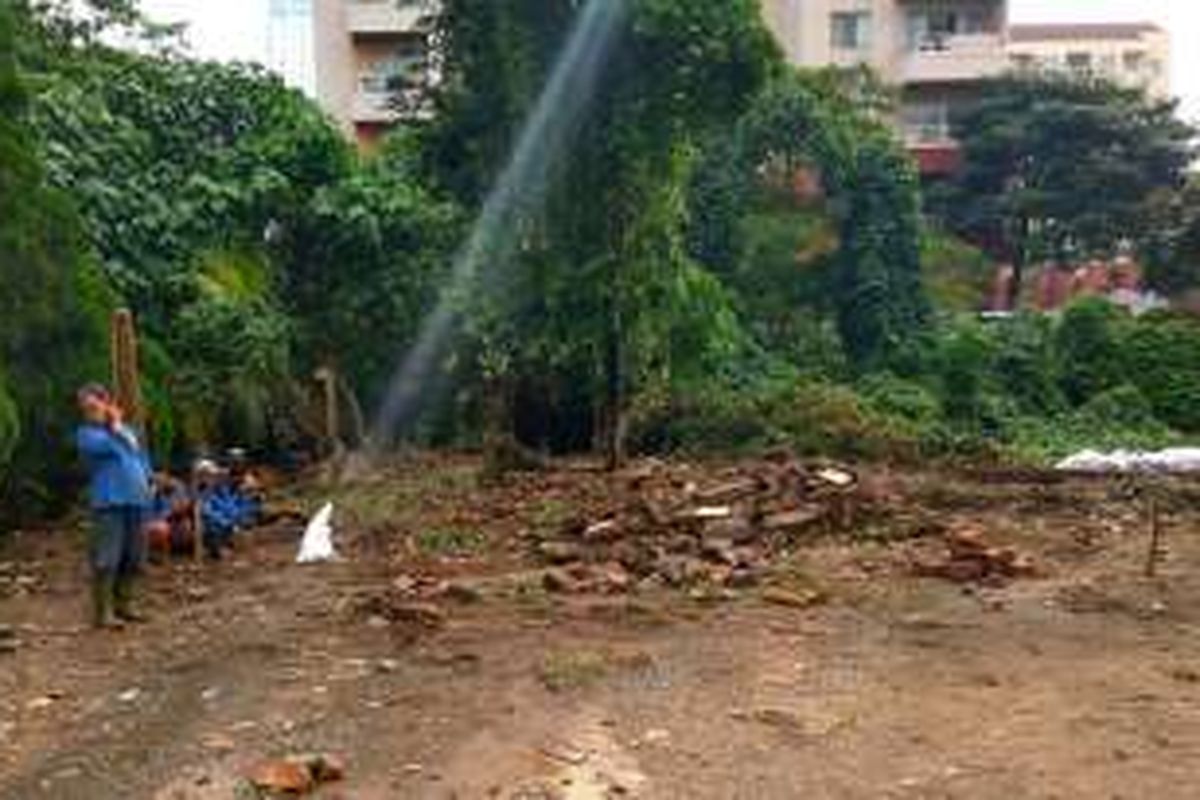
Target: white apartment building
x,y
1136,55
362,48
935,51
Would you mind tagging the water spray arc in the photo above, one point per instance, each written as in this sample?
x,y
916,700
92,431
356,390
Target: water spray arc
x,y
519,190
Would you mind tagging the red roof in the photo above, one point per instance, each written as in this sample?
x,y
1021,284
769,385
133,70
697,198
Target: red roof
x,y
1065,31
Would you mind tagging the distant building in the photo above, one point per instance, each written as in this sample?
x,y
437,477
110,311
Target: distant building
x,y
1131,54
290,43
363,50
936,51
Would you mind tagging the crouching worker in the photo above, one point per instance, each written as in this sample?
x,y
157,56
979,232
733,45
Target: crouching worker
x,y
219,508
170,529
119,489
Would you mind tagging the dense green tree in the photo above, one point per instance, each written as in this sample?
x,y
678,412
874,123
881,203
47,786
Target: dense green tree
x,y
1063,167
1173,247
186,175
364,262
809,128
52,306
601,292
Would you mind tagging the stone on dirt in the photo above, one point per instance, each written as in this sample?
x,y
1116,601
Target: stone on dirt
x,y
793,599
297,775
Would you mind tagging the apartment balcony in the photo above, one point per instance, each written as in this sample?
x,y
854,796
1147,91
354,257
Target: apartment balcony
x,y
367,18
954,58
373,108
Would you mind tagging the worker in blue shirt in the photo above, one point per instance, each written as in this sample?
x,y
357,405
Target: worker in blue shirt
x,y
120,493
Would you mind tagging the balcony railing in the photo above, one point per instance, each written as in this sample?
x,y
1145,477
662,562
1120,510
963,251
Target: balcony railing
x,y
954,58
373,106
381,17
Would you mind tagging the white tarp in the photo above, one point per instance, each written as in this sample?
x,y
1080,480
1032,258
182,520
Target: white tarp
x,y
1177,459
317,544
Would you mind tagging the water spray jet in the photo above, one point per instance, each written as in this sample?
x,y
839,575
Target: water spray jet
x,y
519,190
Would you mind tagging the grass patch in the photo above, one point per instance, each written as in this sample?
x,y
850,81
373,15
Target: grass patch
x,y
573,669
450,542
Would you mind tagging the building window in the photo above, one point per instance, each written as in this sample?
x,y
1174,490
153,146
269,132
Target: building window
x,y
1134,60
850,30
1079,62
927,122
1024,62
932,27
390,74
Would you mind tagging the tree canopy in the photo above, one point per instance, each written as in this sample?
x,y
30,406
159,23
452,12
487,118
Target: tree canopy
x,y
1061,167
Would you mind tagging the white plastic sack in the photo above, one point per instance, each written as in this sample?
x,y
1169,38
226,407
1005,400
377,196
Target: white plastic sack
x,y
317,544
1178,459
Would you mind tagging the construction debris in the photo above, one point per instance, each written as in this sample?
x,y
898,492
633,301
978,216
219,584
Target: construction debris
x,y
969,558
296,775
665,528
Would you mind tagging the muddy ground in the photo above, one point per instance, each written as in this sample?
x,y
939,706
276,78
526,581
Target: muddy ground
x,y
1080,682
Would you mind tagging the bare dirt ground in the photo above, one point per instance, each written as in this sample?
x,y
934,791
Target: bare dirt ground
x,y
1081,682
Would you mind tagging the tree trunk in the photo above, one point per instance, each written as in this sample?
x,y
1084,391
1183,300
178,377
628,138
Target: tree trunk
x,y
1016,284
615,384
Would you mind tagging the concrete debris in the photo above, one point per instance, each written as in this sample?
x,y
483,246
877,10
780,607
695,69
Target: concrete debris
x,y
968,557
666,528
296,775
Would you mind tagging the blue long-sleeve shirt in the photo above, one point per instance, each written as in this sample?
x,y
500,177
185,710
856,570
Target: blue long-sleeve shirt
x,y
118,467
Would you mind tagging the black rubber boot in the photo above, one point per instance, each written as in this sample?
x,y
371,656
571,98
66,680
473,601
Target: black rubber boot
x,y
103,602
123,596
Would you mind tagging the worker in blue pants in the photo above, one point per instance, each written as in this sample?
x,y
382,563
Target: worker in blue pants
x,y
119,489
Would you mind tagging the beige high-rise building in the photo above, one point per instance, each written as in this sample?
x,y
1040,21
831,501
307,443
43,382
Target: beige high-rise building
x,y
362,48
1137,55
935,51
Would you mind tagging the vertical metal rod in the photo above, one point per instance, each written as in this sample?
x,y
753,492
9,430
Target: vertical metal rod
x,y
1155,551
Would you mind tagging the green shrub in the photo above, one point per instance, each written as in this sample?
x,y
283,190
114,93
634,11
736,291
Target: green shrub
x,y
1024,363
892,396
957,275
1161,356
1118,419
964,363
1088,347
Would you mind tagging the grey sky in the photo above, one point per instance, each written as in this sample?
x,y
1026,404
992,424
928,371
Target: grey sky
x,y
228,29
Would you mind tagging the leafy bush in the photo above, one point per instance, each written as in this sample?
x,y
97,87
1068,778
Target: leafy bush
x,y
893,396
1161,356
1123,408
1088,347
1119,419
1024,363
957,275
